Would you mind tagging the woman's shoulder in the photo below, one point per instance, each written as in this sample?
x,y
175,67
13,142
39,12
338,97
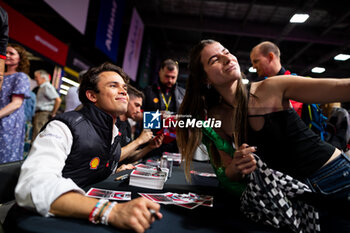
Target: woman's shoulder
x,y
262,85
23,78
276,81
22,75
267,88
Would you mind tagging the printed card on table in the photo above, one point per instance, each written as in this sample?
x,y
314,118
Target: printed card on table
x,y
109,194
162,198
189,201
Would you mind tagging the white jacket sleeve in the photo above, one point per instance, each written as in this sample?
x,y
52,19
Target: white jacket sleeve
x,y
41,182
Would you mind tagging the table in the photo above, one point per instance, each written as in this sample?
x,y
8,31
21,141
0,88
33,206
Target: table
x,y
224,216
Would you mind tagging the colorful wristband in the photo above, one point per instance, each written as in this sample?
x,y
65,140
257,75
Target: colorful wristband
x,y
98,218
96,209
105,216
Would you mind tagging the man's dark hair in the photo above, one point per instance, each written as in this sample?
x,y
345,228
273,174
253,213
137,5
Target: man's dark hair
x,y
170,64
133,92
90,79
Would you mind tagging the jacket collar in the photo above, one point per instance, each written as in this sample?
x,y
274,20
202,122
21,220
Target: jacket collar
x,y
101,121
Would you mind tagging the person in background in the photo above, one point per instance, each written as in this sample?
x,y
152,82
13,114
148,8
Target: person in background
x,y
77,149
134,107
266,59
4,37
338,125
29,111
166,96
47,101
72,97
130,148
15,89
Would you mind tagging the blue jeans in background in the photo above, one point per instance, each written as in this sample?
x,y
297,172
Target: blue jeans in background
x,y
333,180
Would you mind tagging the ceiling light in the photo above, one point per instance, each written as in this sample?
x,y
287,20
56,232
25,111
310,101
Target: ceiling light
x,y
342,57
63,92
71,82
252,70
318,70
299,18
64,87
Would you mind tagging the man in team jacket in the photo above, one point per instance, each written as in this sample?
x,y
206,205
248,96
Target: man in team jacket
x,y
80,148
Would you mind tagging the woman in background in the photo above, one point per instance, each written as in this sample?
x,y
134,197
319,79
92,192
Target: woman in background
x,y
14,90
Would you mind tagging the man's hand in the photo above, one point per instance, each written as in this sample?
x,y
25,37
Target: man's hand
x,y
134,215
156,142
123,167
145,136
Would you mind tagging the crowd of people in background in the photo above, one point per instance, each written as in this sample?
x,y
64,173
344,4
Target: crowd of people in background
x,y
33,108
43,102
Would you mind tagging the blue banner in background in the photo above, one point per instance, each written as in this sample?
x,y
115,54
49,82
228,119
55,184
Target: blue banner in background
x,y
109,27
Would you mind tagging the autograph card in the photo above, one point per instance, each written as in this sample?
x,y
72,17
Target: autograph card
x,y
109,194
190,200
162,198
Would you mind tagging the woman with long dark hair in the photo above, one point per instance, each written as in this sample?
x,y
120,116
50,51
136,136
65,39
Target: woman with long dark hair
x,y
259,118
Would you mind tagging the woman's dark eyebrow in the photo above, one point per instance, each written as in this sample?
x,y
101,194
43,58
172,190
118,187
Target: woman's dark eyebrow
x,y
215,55
211,58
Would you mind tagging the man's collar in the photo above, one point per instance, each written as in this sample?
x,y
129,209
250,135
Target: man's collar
x,y
282,71
43,83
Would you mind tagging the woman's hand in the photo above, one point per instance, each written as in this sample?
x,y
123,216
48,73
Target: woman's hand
x,y
125,167
243,162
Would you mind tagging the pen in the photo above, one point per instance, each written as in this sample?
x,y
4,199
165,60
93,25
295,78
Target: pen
x,y
153,213
123,177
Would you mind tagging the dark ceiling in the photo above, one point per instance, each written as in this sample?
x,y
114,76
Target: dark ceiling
x,y
176,25
240,25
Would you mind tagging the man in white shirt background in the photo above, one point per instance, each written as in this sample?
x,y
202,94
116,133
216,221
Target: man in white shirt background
x,y
47,101
79,148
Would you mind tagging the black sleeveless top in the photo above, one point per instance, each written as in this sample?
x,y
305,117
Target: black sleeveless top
x,y
286,144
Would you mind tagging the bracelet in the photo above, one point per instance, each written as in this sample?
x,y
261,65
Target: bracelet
x,y
98,219
95,210
105,216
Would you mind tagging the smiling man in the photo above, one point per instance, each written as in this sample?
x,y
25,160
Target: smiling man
x,y
80,148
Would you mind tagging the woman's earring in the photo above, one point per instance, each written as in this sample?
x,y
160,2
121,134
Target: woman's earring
x,y
208,85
